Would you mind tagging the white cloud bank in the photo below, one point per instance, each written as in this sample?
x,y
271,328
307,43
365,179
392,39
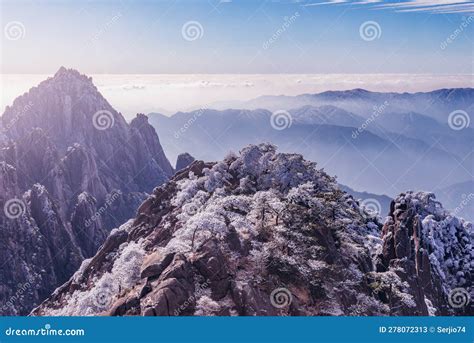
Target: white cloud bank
x,y
168,93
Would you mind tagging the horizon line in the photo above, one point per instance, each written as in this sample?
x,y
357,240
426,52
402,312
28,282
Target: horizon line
x,y
309,73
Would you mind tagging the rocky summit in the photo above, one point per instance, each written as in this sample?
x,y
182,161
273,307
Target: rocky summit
x,y
183,161
71,169
267,233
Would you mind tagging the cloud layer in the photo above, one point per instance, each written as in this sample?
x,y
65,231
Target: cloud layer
x,y
169,93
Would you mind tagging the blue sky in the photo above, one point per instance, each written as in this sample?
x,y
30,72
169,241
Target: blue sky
x,y
140,37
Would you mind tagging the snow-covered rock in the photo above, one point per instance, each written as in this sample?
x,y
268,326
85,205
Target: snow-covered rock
x,y
267,233
433,251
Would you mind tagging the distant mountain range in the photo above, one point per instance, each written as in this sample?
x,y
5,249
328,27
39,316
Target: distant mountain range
x,y
436,104
375,202
392,153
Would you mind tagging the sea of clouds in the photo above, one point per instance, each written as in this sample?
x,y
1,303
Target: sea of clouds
x,y
168,93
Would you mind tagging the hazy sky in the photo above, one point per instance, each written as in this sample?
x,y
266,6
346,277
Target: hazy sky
x,y
135,37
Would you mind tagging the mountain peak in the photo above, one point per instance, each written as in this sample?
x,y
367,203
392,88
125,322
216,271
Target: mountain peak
x,y
70,74
184,160
69,139
140,119
61,70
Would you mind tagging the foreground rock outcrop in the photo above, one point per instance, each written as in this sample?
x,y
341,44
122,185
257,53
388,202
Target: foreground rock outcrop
x,y
71,169
266,233
432,252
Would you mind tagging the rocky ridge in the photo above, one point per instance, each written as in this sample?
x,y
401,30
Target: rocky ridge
x,y
267,233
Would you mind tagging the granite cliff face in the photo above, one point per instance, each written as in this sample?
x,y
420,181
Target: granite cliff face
x,y
71,169
267,233
430,250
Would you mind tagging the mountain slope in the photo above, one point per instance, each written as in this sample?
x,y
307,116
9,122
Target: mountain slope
x,y
266,233
72,169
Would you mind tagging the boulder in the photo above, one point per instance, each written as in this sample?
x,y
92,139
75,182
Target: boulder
x,y
212,265
154,264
